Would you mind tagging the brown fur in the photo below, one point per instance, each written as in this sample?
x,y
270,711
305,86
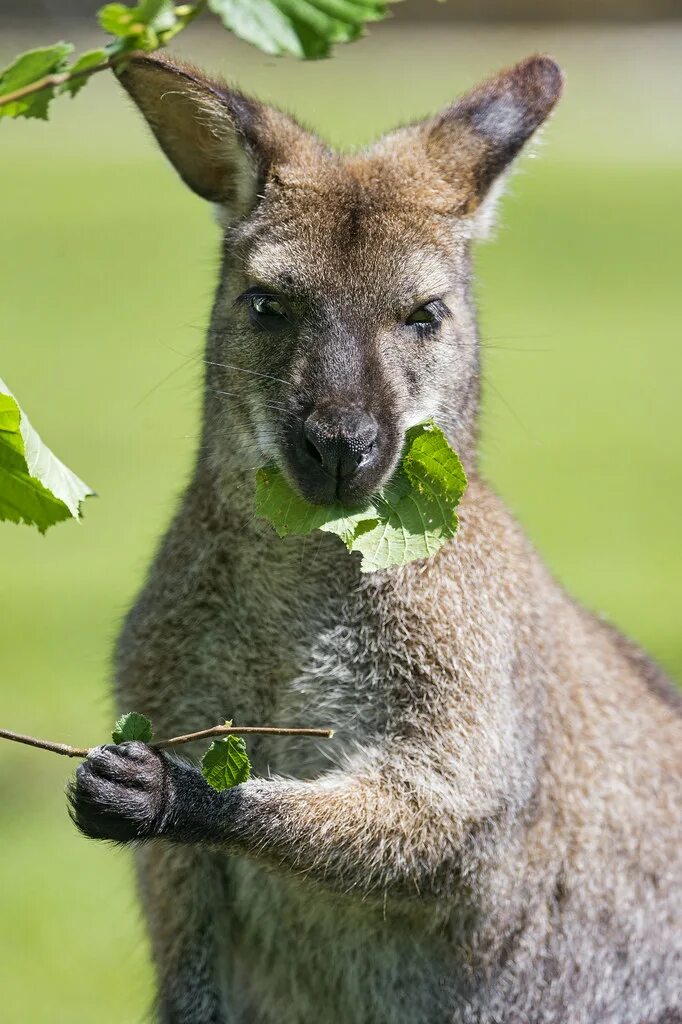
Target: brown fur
x,y
493,835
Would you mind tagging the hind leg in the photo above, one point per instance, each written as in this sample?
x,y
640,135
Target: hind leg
x,y
184,896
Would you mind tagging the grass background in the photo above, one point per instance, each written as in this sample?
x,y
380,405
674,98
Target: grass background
x,y
107,268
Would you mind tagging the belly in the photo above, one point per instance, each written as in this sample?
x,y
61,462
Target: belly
x,y
310,956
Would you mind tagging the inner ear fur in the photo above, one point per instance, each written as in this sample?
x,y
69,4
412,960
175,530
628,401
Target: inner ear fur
x,y
473,141
222,144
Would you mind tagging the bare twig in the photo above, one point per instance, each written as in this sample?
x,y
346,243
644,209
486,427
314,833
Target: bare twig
x,y
217,730
242,730
31,741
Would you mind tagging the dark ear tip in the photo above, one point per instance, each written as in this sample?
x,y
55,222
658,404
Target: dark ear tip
x,y
541,74
140,62
159,58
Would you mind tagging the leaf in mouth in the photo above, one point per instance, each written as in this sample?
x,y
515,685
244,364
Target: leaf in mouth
x,y
411,517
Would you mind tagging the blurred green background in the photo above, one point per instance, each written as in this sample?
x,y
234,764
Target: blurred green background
x,y
106,276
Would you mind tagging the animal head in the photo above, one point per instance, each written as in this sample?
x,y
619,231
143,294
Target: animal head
x,y
343,314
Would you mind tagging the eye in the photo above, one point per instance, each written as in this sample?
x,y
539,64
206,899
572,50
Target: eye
x,y
267,305
265,310
429,315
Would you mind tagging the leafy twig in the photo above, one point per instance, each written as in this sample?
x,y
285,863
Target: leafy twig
x,y
218,730
147,27
304,28
52,81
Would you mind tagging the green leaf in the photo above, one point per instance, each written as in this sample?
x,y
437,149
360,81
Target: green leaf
x,y
260,23
116,19
290,513
304,28
132,727
35,487
410,518
226,763
87,60
28,68
149,11
141,26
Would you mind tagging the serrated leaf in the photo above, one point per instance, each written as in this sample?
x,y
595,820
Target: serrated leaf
x,y
261,24
139,26
87,60
132,727
304,28
26,69
149,11
115,19
411,527
410,518
35,487
432,466
226,763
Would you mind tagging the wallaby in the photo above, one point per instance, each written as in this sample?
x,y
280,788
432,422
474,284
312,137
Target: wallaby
x,y
493,834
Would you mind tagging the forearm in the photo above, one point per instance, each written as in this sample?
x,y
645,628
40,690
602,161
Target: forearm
x,y
378,829
401,819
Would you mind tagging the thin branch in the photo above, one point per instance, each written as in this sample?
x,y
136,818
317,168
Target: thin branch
x,y
242,730
218,730
31,741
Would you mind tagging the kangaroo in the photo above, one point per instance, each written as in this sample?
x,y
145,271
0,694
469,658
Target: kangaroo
x,y
493,834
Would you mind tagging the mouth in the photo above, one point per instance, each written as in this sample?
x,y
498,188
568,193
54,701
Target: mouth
x,y
322,488
351,485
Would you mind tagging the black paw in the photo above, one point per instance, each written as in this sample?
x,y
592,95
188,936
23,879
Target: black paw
x,y
122,792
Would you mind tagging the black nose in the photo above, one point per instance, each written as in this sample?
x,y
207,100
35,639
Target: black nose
x,y
341,440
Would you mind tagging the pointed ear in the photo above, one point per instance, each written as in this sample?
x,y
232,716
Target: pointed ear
x,y
223,144
473,141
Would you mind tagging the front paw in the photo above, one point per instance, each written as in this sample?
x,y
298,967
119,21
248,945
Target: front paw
x,y
122,791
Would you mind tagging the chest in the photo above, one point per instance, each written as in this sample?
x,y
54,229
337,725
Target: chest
x,y
324,651
307,643
330,674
